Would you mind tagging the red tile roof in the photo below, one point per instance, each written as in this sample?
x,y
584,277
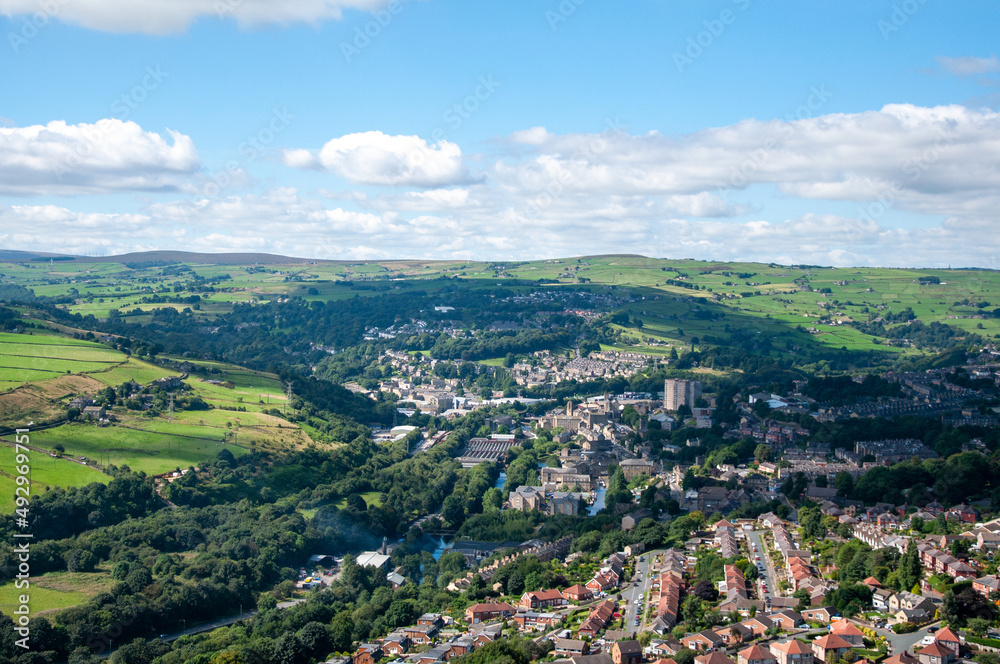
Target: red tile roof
x,y
831,642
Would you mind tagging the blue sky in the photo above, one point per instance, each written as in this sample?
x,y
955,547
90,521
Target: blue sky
x,y
848,133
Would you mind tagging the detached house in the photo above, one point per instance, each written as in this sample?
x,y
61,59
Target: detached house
x,y
485,612
755,655
792,652
542,599
848,632
827,646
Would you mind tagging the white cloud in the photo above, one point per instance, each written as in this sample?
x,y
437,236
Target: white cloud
x,y
933,158
969,66
372,157
533,136
109,155
158,17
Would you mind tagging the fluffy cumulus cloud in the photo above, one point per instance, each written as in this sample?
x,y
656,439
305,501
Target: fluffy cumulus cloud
x,y
107,156
901,186
375,158
926,157
158,17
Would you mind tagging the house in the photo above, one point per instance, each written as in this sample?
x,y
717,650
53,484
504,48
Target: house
x,y
527,498
872,583
984,585
435,654
569,647
368,653
786,619
395,579
577,593
829,645
633,468
461,646
755,655
486,634
714,657
735,634
536,620
435,619
602,582
935,653
668,647
911,615
487,611
902,658
964,513
634,549
792,652
705,640
712,498
758,625
396,644
848,632
542,599
81,402
947,638
168,383
880,598
599,658
626,652
93,413
421,634
910,601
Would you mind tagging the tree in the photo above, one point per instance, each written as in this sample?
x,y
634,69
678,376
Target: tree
x,y
356,503
763,452
979,626
811,520
705,590
844,483
693,611
958,609
80,560
492,500
909,571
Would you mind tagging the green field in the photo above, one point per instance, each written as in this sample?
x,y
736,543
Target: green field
x,y
26,358
371,497
133,369
148,451
46,472
703,298
55,590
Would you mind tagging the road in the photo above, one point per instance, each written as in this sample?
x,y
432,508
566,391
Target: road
x,y
636,591
900,642
770,575
205,627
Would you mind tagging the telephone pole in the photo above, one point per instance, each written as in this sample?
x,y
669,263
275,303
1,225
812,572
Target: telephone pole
x,y
288,395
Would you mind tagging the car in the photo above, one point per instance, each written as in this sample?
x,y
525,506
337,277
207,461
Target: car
x,y
636,621
932,629
927,640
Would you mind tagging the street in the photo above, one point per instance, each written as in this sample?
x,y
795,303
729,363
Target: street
x,y
900,642
770,575
634,593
